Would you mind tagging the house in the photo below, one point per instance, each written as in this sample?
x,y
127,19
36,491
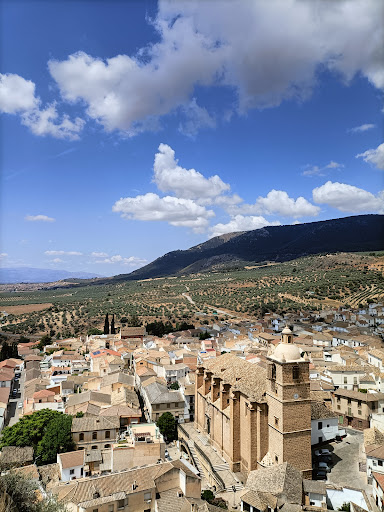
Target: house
x,y
133,332
355,408
158,399
375,459
376,357
267,486
71,465
324,423
315,493
16,456
94,433
345,376
154,487
378,489
127,415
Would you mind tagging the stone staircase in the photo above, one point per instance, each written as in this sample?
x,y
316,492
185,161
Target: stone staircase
x,y
221,467
235,488
191,446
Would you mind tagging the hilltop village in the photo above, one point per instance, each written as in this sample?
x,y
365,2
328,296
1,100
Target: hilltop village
x,y
282,413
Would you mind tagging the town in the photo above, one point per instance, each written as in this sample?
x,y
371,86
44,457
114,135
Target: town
x,y
284,412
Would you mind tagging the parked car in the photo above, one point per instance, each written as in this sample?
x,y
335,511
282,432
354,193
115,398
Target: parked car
x,y
322,451
14,393
20,405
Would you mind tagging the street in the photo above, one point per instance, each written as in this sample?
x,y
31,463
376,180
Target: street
x,y
14,411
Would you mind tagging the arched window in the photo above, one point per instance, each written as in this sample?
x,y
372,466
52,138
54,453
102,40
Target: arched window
x,y
273,371
107,446
94,435
295,372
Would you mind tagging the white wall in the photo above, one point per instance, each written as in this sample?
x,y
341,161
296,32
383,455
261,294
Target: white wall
x,y
336,498
373,464
327,432
316,500
66,473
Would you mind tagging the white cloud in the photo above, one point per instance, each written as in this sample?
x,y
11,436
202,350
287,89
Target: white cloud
x,y
3,255
374,156
185,183
348,198
57,260
62,253
39,218
320,171
99,255
132,261
47,122
196,117
241,223
16,94
201,45
361,128
176,211
279,202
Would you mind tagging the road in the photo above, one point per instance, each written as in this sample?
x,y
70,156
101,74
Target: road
x,y
14,411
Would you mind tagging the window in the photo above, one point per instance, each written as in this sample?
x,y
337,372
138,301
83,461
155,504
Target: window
x,y
380,462
273,371
71,471
359,412
349,401
95,510
276,422
276,459
94,435
320,425
359,403
295,372
168,406
94,447
107,434
111,508
81,437
120,504
107,446
147,496
338,407
345,380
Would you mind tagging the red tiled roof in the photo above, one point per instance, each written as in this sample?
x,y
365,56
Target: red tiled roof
x,y
43,393
379,477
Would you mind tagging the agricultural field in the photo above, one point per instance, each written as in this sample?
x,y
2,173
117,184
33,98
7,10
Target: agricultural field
x,y
310,283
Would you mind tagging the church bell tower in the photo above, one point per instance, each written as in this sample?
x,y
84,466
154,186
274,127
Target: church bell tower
x,y
289,406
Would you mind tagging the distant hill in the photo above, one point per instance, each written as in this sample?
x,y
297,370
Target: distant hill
x,y
273,243
39,275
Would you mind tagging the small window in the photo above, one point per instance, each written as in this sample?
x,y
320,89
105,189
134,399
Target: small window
x,y
168,406
120,504
147,496
345,380
339,407
295,372
107,446
94,447
111,508
71,471
359,412
107,434
380,462
276,459
276,422
320,425
94,435
81,437
359,403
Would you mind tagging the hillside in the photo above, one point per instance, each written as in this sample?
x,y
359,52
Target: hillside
x,y
274,244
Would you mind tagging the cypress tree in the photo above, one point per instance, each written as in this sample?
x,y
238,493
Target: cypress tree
x,y
106,325
113,330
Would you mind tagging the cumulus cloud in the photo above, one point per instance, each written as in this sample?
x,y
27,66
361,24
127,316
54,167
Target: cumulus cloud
x,y
57,260
361,128
99,255
132,261
185,183
348,198
62,253
17,96
279,202
201,45
39,218
241,223
374,156
321,171
176,211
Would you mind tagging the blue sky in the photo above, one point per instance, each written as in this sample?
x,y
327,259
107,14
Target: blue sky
x,y
130,129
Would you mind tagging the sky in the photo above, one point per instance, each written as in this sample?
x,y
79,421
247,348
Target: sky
x,y
130,129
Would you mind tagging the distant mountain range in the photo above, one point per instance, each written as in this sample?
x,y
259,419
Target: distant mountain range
x,y
273,243
39,275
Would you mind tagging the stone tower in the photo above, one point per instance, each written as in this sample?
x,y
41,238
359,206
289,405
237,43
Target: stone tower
x,y
289,406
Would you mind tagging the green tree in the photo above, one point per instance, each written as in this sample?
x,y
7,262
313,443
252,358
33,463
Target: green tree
x,y
44,341
204,336
18,494
23,339
41,430
94,330
106,324
113,330
168,426
175,385
57,439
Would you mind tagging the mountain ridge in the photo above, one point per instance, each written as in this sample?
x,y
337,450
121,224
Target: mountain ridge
x,y
17,275
357,233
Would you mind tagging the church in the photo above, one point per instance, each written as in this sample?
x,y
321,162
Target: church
x,y
257,417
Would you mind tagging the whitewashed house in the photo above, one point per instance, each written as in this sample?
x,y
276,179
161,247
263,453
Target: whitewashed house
x,y
71,465
324,423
